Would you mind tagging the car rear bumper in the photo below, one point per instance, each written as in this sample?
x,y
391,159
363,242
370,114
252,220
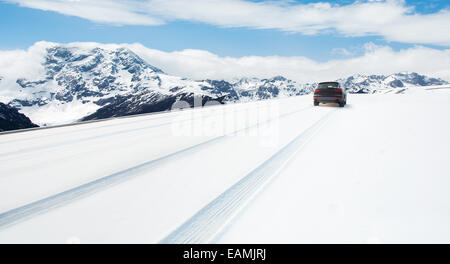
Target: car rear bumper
x,y
328,99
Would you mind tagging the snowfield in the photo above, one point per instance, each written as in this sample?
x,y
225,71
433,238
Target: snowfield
x,y
275,171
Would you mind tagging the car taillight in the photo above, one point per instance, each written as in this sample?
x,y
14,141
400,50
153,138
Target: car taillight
x,y
338,90
316,91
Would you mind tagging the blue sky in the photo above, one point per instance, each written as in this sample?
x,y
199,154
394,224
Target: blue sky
x,y
225,39
20,27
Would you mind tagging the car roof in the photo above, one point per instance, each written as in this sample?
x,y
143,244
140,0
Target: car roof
x,y
327,82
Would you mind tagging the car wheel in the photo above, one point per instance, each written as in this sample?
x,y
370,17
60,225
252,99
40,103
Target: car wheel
x,y
341,104
316,103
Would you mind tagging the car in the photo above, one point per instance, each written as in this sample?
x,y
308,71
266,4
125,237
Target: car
x,y
330,92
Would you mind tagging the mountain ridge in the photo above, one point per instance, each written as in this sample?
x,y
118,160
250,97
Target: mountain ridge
x,y
85,83
11,119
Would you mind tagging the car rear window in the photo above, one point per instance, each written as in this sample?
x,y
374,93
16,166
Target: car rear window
x,y
328,85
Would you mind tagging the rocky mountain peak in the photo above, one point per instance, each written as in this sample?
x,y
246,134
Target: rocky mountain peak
x,y
86,82
11,119
359,83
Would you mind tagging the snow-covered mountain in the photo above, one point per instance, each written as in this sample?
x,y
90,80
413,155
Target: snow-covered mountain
x,y
377,83
81,82
91,82
147,101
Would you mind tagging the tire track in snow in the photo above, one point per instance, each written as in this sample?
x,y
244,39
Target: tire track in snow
x,y
209,222
33,209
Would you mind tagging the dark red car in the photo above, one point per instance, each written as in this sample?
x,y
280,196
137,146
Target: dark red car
x,y
330,92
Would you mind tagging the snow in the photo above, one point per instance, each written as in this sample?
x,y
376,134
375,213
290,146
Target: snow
x,y
379,173
373,171
57,113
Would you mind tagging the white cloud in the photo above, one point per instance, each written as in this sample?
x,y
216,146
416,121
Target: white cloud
x,y
341,52
102,11
200,64
392,19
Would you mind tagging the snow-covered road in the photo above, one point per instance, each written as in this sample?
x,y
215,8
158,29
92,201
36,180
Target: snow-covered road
x,y
275,171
